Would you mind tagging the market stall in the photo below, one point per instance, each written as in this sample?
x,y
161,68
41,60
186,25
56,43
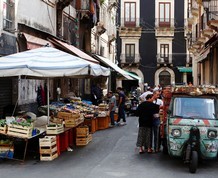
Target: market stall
x,y
47,62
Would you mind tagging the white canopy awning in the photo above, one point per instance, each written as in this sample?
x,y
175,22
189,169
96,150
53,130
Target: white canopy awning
x,y
48,62
114,66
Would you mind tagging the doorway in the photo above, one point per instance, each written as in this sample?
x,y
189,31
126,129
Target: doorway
x,y
164,78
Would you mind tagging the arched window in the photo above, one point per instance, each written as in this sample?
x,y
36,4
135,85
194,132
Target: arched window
x,y
164,78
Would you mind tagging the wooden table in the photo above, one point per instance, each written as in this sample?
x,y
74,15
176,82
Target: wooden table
x,y
18,139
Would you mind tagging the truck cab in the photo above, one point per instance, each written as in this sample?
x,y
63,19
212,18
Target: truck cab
x,y
190,124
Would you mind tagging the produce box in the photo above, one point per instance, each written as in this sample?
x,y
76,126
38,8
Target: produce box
x,y
82,141
82,131
47,141
74,122
54,129
67,115
47,145
20,131
48,157
103,123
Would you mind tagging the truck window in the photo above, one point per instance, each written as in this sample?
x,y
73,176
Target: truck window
x,y
203,108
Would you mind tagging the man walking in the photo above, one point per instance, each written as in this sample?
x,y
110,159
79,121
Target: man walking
x,y
121,105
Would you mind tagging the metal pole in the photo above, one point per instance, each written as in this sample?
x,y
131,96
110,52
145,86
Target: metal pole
x,y
48,110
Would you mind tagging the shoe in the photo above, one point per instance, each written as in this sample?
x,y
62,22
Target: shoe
x,y
150,150
141,151
157,151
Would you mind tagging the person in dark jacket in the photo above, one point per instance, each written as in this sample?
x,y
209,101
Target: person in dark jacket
x,y
145,111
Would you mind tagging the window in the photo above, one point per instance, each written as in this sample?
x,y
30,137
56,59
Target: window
x,y
130,53
130,14
199,108
164,52
69,30
8,15
164,14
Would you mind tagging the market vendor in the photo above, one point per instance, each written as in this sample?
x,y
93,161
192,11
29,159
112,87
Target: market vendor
x,y
112,106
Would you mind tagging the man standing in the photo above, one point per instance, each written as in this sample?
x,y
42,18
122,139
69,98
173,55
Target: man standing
x,y
121,105
142,97
156,121
112,106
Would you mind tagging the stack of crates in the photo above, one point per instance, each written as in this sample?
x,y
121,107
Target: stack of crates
x,y
83,137
48,148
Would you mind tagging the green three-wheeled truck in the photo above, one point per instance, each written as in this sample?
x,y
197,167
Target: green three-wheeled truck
x,y
190,123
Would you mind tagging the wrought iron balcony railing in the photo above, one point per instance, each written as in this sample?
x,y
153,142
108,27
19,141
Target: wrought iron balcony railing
x,y
130,59
164,58
130,22
165,22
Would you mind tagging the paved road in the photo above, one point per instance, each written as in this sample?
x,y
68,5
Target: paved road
x,y
111,154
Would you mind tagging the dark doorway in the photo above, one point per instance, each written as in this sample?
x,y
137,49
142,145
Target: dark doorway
x,y
164,78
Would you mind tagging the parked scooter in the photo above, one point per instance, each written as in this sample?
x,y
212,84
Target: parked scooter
x,y
134,105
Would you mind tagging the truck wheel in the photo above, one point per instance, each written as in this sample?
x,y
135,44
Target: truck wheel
x,y
193,162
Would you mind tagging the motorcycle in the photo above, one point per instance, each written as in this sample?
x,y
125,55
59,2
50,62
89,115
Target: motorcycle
x,y
128,106
131,105
134,105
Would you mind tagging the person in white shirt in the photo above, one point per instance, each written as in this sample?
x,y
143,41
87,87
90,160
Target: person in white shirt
x,y
143,95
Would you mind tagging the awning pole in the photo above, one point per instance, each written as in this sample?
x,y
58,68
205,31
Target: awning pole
x,y
48,105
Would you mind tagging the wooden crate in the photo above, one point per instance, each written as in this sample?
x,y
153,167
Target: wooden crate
x,y
91,123
82,141
48,148
74,122
54,129
3,130
47,141
48,157
115,117
20,131
67,115
103,123
82,131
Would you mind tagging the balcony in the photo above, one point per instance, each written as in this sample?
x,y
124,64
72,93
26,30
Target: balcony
x,y
130,60
213,24
111,38
165,23
208,33
195,11
100,28
201,40
130,23
164,59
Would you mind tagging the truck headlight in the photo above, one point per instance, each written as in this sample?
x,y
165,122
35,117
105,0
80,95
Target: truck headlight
x,y
176,132
212,134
